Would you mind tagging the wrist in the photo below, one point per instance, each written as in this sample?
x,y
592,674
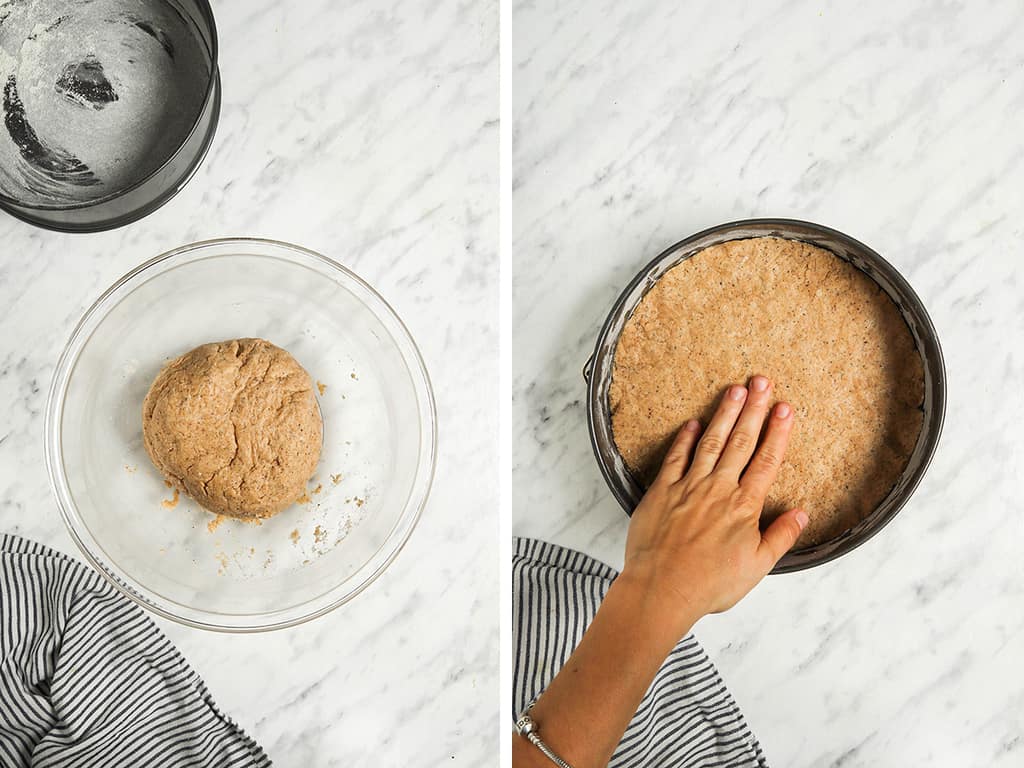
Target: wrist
x,y
584,711
638,599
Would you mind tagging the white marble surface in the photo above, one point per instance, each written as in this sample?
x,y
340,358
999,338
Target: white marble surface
x,y
366,131
636,124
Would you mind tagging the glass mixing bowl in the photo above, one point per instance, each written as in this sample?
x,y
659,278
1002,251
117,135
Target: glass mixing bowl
x,y
375,470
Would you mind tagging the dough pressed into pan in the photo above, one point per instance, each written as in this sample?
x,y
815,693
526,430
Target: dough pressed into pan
x,y
833,343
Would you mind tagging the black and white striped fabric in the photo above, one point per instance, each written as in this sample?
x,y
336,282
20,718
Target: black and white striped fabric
x,y
687,718
86,679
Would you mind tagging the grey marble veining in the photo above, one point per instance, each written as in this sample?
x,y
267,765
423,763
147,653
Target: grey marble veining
x,y
636,124
368,132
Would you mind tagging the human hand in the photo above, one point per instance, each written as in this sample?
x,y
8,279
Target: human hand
x,y
694,547
694,544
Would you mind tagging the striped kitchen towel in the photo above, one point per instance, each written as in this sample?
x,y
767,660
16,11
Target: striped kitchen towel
x,y
687,719
87,679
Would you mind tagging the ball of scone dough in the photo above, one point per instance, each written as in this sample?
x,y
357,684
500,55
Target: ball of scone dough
x,y
236,426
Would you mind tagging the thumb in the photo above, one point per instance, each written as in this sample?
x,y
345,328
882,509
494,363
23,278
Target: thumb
x,y
780,536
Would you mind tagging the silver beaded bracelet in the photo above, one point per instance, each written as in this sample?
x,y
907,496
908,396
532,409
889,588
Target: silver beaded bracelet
x,y
527,728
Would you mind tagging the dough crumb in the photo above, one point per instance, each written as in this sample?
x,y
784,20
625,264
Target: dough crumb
x,y
321,388
294,536
318,489
214,524
335,479
172,502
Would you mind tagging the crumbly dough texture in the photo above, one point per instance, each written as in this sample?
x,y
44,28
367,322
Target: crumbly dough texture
x,y
833,343
236,426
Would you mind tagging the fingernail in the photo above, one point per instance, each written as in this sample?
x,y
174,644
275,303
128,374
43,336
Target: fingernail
x,y
782,410
737,393
759,384
801,519
692,425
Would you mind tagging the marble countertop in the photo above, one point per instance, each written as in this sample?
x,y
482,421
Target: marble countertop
x,y
367,132
636,124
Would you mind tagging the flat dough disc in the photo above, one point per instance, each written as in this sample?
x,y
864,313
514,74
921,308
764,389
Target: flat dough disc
x,y
831,340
